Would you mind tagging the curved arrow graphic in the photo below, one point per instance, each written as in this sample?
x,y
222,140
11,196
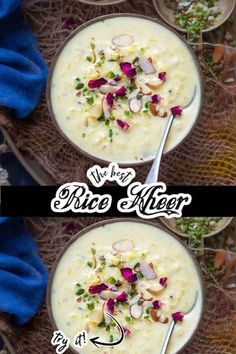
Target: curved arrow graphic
x,y
96,342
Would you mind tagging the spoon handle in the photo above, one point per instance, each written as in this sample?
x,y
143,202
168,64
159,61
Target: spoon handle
x,y
154,171
167,338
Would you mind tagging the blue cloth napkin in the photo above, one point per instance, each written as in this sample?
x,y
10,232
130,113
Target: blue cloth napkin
x,y
23,277
23,71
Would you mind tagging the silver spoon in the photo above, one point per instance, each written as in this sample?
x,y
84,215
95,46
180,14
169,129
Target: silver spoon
x,y
154,171
172,326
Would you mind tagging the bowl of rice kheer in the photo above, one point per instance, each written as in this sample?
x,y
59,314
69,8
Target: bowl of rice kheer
x,y
136,272
115,81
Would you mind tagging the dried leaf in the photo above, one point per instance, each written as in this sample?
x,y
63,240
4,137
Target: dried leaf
x,y
218,53
219,259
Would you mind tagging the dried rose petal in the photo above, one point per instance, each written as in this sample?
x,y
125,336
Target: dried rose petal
x,y
126,272
128,70
122,297
156,98
163,281
117,78
132,278
69,24
176,111
123,125
121,91
96,289
162,76
111,305
118,284
70,229
132,73
110,100
129,275
157,304
178,316
127,332
97,83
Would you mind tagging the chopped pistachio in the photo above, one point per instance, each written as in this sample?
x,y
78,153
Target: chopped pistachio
x,y
90,100
128,319
110,75
127,113
111,280
89,264
80,292
110,134
90,306
79,86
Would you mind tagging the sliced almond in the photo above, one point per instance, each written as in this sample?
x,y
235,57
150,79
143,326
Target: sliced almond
x,y
143,88
85,122
162,113
155,289
94,263
106,294
94,57
124,40
105,108
136,311
153,109
96,316
108,88
147,271
124,246
96,110
144,293
146,66
163,318
106,317
147,303
153,314
134,94
134,299
154,84
86,326
135,105
218,53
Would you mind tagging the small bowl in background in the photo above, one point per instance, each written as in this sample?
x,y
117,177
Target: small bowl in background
x,y
101,2
171,225
226,6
